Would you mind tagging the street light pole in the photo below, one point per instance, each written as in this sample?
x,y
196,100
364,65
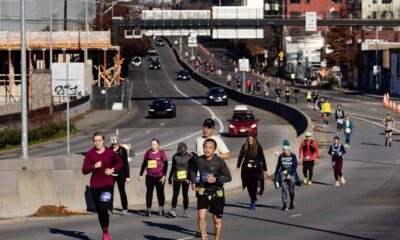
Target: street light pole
x,y
376,58
24,86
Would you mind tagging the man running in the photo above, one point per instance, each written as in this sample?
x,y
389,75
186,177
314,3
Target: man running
x,y
336,150
287,94
315,97
308,153
278,92
389,125
212,172
339,116
296,94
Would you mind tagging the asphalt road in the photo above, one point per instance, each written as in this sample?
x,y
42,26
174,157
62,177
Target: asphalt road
x,y
367,207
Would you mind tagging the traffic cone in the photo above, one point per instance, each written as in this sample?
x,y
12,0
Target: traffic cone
x,y
398,107
394,107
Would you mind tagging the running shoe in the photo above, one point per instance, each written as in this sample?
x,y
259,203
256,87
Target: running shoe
x,y
171,213
284,208
185,214
305,180
342,180
337,184
148,213
309,182
291,206
106,236
124,212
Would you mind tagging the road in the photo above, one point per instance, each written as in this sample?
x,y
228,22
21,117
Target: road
x,y
367,207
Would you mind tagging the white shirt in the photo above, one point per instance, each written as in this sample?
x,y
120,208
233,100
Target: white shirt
x,y
221,147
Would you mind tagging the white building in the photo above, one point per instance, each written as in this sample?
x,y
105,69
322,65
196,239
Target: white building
x,y
380,9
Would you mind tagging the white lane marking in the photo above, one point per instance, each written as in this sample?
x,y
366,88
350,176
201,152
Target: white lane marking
x,y
162,124
126,140
186,238
148,131
351,100
372,109
368,121
296,215
370,117
151,91
213,116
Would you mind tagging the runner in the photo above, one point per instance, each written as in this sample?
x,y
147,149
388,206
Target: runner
x,y
326,112
179,176
123,176
102,162
213,173
296,94
156,162
348,130
339,116
309,97
285,174
287,94
248,85
266,87
278,92
228,79
389,125
315,97
254,168
308,154
239,84
258,86
336,150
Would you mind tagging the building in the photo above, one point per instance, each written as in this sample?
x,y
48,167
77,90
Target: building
x,y
381,9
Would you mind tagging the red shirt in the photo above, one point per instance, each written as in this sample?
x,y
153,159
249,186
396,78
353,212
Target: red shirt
x,y
109,159
308,155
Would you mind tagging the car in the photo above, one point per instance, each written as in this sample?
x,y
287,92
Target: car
x,y
162,107
183,75
160,42
217,95
153,54
155,65
242,122
136,61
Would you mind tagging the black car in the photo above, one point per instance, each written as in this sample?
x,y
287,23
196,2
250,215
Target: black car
x,y
162,107
153,55
137,61
183,75
160,42
155,64
217,95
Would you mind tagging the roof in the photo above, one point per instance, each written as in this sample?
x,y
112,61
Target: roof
x,y
241,108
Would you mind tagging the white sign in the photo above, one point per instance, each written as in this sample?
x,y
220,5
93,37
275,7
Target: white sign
x,y
323,64
376,70
244,65
75,76
192,41
311,21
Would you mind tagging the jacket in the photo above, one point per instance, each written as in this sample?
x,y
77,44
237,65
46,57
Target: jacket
x,y
308,149
123,172
326,107
348,127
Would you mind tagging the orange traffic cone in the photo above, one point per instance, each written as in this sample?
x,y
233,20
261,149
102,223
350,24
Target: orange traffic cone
x,y
398,107
394,107
384,99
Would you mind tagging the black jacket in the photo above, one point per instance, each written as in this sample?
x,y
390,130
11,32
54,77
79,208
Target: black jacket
x,y
258,164
123,172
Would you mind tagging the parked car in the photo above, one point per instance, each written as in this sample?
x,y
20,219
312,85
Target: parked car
x,y
136,61
162,107
155,65
183,75
242,122
217,95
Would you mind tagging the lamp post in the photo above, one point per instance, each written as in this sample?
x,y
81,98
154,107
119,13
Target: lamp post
x,y
24,86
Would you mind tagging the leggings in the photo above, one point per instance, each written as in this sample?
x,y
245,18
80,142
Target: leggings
x,y
102,209
185,189
152,182
121,188
337,169
287,186
308,167
252,183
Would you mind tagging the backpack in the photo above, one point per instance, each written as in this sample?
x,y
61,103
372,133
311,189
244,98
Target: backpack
x,y
312,148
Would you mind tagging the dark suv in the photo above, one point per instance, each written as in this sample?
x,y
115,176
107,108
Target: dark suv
x,y
162,107
217,95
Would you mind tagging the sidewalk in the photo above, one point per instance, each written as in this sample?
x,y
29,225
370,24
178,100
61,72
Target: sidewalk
x,y
99,119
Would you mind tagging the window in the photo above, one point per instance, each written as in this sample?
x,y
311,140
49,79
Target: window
x,y
295,15
374,1
307,1
294,1
336,1
373,15
387,15
386,1
335,14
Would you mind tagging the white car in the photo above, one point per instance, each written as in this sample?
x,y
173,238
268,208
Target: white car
x,y
136,61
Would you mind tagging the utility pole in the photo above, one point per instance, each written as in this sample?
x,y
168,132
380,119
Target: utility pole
x,y
24,86
65,15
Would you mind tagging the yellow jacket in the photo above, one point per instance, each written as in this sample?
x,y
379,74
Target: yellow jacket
x,y
326,107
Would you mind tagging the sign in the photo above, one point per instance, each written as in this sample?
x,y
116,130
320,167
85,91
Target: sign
x,y
376,70
192,41
311,21
281,54
74,72
244,65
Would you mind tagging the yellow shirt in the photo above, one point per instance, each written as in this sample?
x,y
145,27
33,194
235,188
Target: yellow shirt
x,y
326,107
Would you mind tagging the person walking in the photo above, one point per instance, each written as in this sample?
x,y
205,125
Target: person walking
x,y
309,97
339,116
388,121
248,85
258,86
336,151
123,174
348,130
285,174
228,79
179,177
287,94
278,92
326,112
308,155
296,94
266,87
102,162
315,97
208,175
156,162
239,84
253,168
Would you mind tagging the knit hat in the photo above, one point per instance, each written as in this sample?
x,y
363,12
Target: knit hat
x,y
286,145
181,147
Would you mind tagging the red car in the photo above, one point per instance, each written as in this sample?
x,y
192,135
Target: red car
x,y
242,122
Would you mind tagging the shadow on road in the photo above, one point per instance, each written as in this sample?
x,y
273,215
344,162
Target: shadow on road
x,y
71,234
156,238
246,206
171,227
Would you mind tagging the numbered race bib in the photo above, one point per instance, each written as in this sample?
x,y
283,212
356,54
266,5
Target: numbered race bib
x,y
348,130
340,120
151,164
181,175
105,197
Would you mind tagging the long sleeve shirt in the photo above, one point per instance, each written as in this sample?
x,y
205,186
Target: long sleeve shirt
x,y
109,159
215,167
287,163
305,150
336,151
259,157
180,162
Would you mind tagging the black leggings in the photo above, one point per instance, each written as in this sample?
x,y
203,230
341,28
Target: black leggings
x,y
152,182
252,177
102,209
308,166
121,188
185,189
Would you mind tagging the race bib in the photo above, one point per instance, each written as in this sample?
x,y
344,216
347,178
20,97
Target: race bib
x,y
348,130
340,120
152,164
307,157
105,197
181,175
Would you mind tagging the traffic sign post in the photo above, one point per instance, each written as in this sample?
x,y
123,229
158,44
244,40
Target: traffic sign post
x,y
244,66
192,43
311,21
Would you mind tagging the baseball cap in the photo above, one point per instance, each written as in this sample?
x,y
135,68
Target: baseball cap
x,y
209,123
308,134
181,147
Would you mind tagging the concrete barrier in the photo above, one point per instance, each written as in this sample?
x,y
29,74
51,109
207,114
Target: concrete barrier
x,y
26,185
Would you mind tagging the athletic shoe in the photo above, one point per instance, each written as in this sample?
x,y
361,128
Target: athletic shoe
x,y
337,184
342,180
390,144
124,212
252,206
284,208
161,212
171,213
109,212
305,180
291,206
148,213
106,236
185,214
309,182
198,235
